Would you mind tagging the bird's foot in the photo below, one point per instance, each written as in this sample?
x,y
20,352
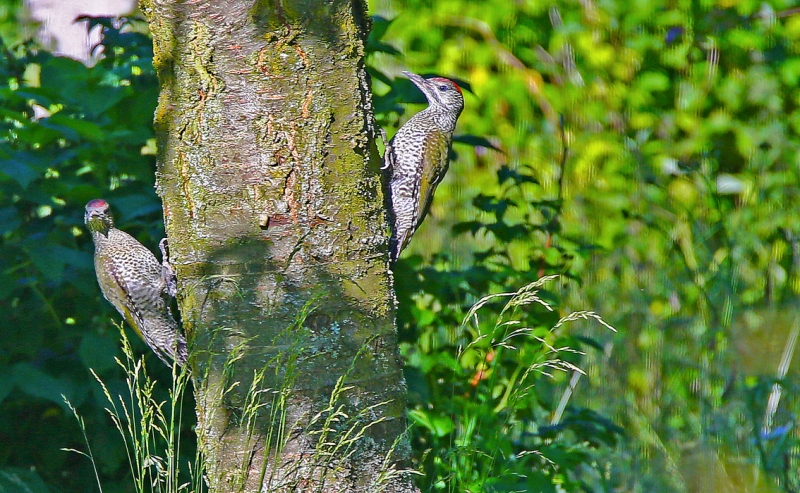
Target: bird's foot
x,y
167,271
387,145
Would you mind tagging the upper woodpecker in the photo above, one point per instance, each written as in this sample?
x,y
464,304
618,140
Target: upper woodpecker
x,y
134,282
417,156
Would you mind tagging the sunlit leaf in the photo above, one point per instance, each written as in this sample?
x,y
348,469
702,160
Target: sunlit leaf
x,y
18,480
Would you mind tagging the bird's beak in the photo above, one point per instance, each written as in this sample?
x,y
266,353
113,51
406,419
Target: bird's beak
x,y
416,79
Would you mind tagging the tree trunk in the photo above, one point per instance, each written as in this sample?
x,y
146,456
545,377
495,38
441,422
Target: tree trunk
x,y
275,215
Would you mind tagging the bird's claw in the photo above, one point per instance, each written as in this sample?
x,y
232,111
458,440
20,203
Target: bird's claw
x,y
167,271
387,145
163,245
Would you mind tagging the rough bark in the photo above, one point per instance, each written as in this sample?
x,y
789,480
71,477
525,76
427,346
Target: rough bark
x,y
275,216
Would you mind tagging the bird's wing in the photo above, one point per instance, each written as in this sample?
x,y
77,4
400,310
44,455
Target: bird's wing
x,y
117,292
436,149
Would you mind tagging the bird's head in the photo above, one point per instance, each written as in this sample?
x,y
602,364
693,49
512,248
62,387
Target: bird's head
x,y
98,216
441,93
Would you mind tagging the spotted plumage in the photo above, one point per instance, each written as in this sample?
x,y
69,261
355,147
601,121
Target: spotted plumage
x,y
136,284
417,157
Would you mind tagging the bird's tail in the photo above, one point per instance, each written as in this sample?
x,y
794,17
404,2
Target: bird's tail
x,y
181,350
167,342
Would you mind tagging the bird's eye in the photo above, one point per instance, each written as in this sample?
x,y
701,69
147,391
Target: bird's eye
x,y
443,87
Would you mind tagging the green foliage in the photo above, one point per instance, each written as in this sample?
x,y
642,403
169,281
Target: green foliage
x,y
676,209
22,481
480,397
10,14
68,133
479,369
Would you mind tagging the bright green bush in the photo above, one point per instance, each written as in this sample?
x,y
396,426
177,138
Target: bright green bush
x,y
676,209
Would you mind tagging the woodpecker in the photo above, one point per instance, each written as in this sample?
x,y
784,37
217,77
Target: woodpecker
x,y
134,282
417,157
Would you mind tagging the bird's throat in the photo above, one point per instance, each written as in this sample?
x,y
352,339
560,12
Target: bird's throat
x,y
97,226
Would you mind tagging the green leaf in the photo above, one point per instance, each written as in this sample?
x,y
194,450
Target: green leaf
x,y
475,141
50,260
378,75
37,383
438,425
381,47
101,98
380,25
65,76
6,383
18,168
9,220
505,174
6,288
73,128
133,206
97,352
17,480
